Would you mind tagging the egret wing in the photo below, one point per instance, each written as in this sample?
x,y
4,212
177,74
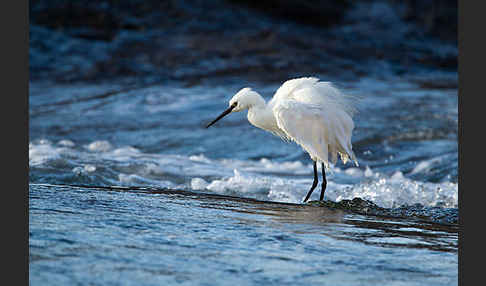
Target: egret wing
x,y
286,90
327,95
322,132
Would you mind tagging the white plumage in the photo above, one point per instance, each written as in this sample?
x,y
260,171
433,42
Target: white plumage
x,y
312,113
317,116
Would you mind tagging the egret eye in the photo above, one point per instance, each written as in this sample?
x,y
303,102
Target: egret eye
x,y
234,104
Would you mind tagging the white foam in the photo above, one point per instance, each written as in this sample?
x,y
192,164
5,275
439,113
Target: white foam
x,y
385,191
427,165
354,172
66,143
42,153
398,190
240,183
262,179
99,146
199,158
198,184
265,165
84,169
251,185
135,179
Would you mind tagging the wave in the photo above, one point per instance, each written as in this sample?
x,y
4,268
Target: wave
x,y
99,162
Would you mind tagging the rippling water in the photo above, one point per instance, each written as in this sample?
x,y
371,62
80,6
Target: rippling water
x,y
100,236
128,187
223,205
405,140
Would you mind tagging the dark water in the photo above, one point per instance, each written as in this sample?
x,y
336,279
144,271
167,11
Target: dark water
x,y
123,102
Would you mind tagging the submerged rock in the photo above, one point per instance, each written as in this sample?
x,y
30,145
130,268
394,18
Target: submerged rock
x,y
417,211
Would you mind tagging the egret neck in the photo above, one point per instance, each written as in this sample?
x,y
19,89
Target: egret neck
x,y
261,116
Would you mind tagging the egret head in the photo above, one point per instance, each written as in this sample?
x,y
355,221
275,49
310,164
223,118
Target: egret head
x,y
242,100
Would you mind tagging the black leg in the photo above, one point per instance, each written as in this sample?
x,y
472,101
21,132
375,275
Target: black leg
x,y
324,182
314,184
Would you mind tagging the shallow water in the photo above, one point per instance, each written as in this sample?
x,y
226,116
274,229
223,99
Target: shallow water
x,y
103,236
405,140
127,186
184,228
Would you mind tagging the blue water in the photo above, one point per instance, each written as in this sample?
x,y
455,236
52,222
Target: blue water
x,y
185,229
405,138
104,237
128,187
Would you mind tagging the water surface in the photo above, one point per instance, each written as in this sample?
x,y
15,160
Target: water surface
x,y
128,187
103,236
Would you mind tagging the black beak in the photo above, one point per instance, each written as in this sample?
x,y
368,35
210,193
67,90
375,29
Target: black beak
x,y
226,112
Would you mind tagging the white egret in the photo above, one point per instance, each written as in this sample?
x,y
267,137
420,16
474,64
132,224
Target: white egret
x,y
312,113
